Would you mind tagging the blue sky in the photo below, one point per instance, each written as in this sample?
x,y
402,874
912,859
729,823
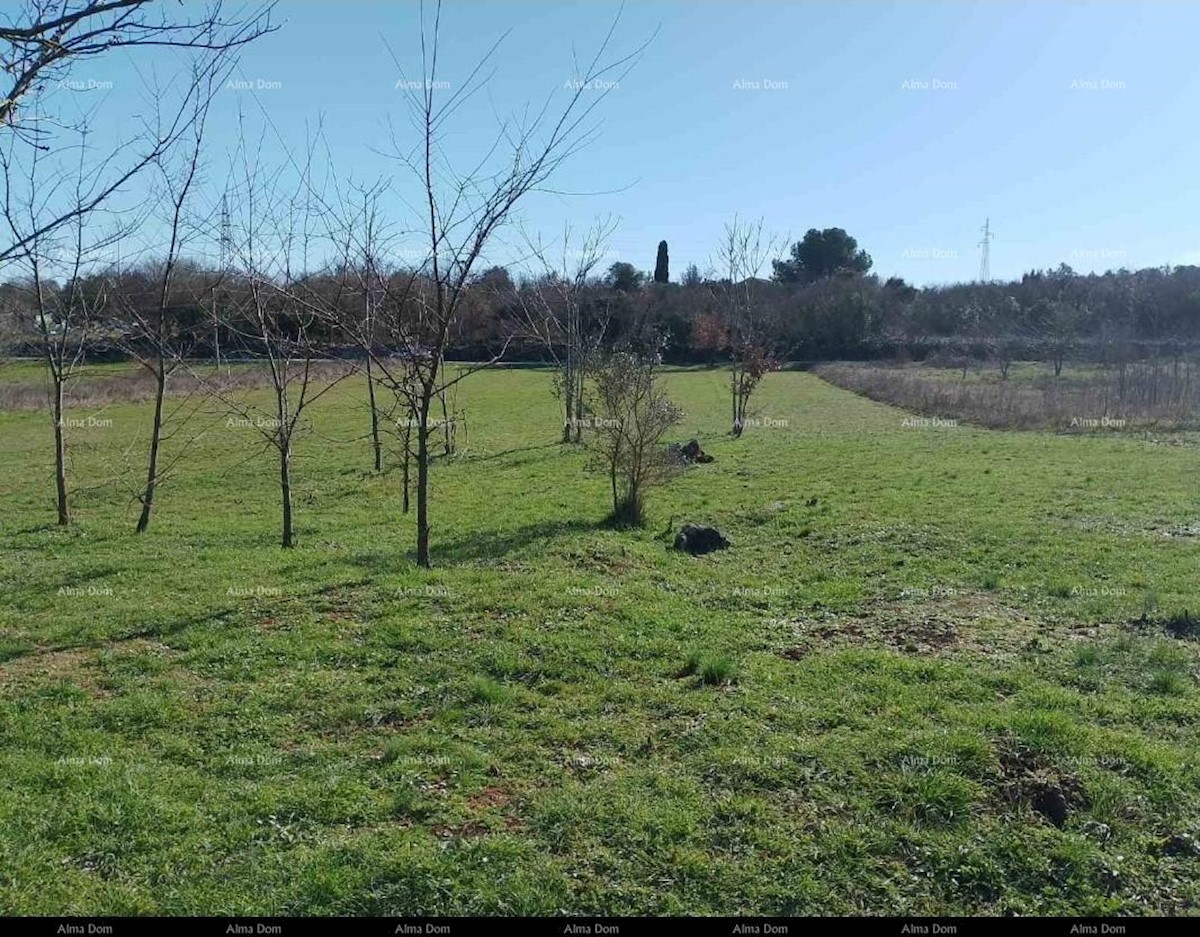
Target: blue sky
x,y
1073,126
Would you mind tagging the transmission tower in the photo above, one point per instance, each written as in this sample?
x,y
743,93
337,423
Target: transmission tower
x,y
985,268
226,235
226,251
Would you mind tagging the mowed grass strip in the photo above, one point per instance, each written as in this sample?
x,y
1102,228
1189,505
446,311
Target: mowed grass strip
x,y
936,672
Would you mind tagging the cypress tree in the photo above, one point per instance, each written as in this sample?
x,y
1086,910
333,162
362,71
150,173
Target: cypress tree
x,y
660,265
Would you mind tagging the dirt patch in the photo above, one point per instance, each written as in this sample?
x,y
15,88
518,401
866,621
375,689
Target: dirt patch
x,y
75,665
1028,781
85,667
929,625
469,830
489,797
600,560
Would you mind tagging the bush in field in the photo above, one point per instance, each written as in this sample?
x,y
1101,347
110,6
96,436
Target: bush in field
x,y
631,414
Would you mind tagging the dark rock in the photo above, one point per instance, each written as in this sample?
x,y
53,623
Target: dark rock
x,y
688,453
1180,844
697,540
1051,803
693,453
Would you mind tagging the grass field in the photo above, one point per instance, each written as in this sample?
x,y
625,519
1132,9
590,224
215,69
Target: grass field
x,y
936,672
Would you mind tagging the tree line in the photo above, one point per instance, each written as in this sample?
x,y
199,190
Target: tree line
x,y
1050,315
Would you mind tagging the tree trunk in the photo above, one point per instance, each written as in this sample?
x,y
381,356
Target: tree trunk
x,y
423,481
160,389
407,459
60,455
579,404
613,478
569,399
285,491
447,445
733,391
571,428
375,443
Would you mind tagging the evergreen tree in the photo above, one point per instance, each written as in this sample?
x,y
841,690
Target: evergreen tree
x,y
661,274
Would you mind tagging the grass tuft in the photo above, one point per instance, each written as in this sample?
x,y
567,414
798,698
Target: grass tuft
x,y
717,671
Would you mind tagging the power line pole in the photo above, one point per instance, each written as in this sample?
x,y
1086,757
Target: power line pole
x,y
226,249
985,267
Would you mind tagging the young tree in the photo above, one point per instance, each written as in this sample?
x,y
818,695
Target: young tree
x,y
463,212
64,317
1059,325
633,413
371,287
558,313
743,251
281,310
158,340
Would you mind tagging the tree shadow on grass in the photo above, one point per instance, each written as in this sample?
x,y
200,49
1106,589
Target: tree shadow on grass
x,y
494,544
476,545
507,452
36,529
155,630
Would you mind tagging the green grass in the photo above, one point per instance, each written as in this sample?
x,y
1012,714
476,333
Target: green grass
x,y
853,709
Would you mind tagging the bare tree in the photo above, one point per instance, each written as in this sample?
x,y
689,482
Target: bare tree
x,y
156,339
64,317
363,237
556,313
743,252
370,291
281,310
462,213
632,413
1060,327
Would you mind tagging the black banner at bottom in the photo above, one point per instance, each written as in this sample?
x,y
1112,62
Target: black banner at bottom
x,y
594,926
